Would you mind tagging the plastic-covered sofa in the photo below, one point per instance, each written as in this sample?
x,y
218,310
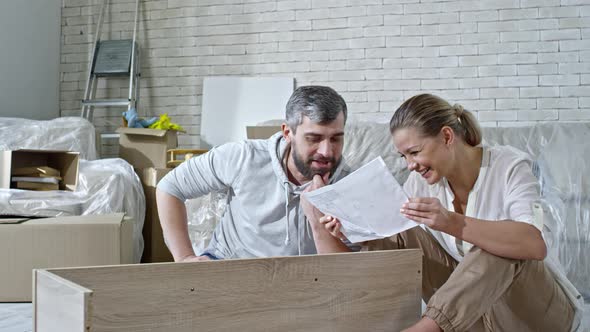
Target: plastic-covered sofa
x,y
560,163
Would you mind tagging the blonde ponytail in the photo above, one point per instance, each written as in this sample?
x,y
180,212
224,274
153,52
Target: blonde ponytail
x,y
429,113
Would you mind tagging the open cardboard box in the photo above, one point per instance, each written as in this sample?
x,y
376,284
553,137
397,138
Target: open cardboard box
x,y
66,162
145,148
261,132
29,244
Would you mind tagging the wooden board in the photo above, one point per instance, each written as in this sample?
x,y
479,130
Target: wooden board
x,y
178,156
371,291
64,303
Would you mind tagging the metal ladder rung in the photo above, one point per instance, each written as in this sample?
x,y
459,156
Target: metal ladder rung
x,y
112,59
110,136
106,102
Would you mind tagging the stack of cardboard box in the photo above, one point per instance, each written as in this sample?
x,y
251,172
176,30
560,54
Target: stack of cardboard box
x,y
30,242
145,150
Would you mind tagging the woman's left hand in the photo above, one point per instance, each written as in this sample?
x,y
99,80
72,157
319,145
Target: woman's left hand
x,y
430,212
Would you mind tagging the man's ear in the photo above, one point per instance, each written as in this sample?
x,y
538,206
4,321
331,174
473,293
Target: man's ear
x,y
287,132
448,135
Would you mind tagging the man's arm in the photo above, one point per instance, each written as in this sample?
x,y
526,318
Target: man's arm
x,y
213,171
324,241
172,213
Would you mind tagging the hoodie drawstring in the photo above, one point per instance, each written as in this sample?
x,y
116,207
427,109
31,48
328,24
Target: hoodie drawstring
x,y
287,227
286,185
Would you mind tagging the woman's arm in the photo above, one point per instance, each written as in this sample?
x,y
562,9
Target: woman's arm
x,y
506,238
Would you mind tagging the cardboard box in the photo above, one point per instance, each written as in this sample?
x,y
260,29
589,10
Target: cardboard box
x,y
60,242
145,148
261,132
155,249
66,162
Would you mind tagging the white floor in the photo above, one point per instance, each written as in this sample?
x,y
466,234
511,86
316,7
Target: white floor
x,y
18,317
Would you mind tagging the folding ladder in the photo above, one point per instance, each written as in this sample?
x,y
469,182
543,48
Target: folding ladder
x,y
112,58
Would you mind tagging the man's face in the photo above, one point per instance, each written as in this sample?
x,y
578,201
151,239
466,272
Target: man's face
x,y
317,148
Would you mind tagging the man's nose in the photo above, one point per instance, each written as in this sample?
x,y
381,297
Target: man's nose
x,y
326,148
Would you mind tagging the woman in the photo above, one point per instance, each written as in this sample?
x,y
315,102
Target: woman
x,y
483,248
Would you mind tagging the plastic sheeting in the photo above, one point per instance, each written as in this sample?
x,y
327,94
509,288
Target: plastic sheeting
x,y
561,162
203,215
68,133
365,141
104,186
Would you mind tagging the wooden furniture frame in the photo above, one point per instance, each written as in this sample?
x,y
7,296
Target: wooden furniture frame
x,y
178,156
368,291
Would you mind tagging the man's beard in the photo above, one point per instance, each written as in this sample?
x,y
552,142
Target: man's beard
x,y
304,166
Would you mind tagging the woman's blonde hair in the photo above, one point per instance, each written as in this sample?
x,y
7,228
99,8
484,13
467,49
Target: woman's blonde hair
x,y
429,113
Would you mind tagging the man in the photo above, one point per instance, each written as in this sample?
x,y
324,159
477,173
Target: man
x,y
263,179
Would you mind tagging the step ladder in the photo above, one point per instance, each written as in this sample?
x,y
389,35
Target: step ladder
x,y
112,58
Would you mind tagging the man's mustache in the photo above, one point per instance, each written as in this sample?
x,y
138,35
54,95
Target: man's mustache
x,y
323,160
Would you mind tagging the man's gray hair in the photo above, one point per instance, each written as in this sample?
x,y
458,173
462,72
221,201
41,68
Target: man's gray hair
x,y
321,104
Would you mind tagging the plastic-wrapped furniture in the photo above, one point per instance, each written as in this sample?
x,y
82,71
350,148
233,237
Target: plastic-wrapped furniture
x,y
68,133
104,186
561,163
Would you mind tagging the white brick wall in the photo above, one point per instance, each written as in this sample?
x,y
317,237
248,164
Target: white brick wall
x,y
512,62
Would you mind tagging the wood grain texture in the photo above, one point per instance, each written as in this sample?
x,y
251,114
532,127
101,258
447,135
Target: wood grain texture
x,y
371,291
59,304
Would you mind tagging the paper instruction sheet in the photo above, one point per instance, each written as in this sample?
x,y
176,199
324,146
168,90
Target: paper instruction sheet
x,y
367,203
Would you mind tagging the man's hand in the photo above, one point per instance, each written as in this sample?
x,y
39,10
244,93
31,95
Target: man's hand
x,y
313,214
324,240
333,226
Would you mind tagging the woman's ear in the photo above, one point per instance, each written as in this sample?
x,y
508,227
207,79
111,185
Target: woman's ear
x,y
448,135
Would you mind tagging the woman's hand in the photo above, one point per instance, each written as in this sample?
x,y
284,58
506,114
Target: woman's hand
x,y
430,212
333,226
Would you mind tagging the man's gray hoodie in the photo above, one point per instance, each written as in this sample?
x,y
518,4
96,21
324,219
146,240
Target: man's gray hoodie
x,y
263,217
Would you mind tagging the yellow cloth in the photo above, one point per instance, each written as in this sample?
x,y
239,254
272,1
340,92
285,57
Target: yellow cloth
x,y
164,123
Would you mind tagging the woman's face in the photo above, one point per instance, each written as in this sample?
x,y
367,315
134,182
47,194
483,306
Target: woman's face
x,y
426,155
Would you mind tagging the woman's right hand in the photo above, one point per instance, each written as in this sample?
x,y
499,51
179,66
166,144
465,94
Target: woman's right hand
x,y
333,226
